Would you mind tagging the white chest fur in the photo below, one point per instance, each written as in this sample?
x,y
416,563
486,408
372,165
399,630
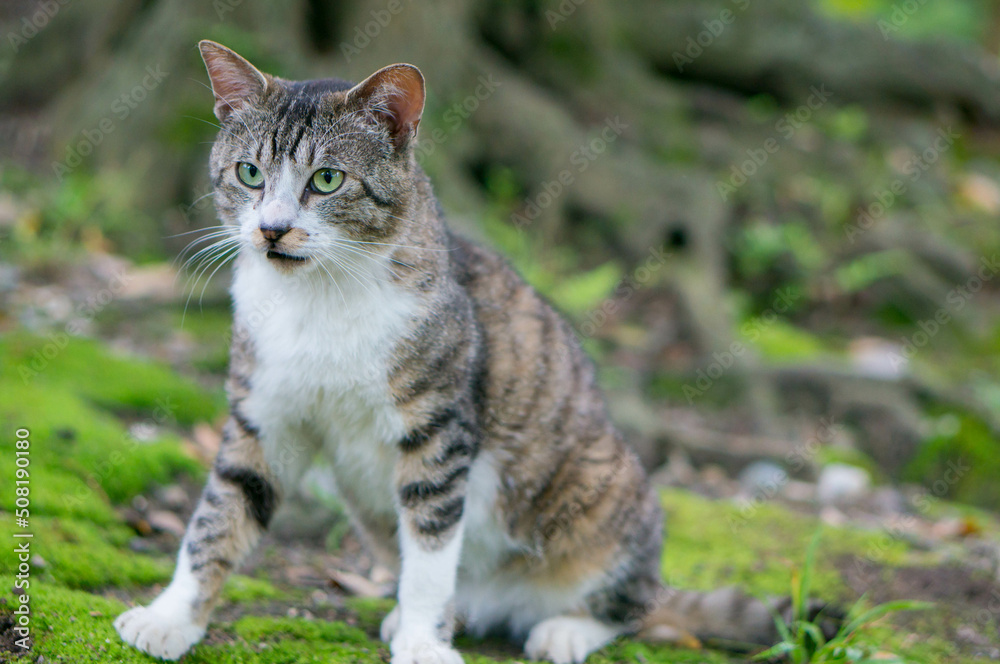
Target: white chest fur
x,y
322,366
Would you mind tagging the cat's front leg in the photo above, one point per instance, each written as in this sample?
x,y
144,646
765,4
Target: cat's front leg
x,y
233,512
431,481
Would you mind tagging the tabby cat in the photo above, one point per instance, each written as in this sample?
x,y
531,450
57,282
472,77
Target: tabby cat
x,y
461,418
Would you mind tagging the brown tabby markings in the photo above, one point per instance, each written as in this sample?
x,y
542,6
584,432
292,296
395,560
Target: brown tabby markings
x,y
485,370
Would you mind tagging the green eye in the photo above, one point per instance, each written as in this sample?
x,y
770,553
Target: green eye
x,y
327,180
249,175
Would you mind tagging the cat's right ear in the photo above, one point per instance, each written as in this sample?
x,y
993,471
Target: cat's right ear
x,y
235,82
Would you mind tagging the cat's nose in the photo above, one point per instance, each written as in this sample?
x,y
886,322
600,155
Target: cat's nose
x,y
273,233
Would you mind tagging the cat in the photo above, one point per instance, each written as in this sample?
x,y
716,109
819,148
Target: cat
x,y
461,418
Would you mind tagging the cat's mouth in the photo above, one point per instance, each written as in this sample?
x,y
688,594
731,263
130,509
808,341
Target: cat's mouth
x,y
284,259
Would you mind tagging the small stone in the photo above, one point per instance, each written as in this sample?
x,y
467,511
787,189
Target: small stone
x,y
292,612
831,516
888,501
799,491
969,635
841,484
954,528
135,519
381,574
141,545
38,562
763,478
140,503
173,497
714,475
165,521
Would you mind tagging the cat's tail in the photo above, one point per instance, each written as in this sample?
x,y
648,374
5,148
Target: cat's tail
x,y
726,617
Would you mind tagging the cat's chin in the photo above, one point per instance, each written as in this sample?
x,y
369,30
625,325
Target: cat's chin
x,y
286,262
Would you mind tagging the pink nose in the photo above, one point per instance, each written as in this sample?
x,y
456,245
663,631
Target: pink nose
x,y
273,233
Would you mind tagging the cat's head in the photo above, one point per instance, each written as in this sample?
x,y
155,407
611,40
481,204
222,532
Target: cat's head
x,y
312,170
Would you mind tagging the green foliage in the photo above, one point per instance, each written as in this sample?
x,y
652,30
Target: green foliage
x,y
783,342
85,211
866,270
762,244
803,641
556,272
965,20
960,460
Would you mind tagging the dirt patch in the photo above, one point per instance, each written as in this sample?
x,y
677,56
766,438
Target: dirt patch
x,y
9,649
967,601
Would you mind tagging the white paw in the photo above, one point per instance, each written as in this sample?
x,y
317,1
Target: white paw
x,y
423,651
167,636
567,639
389,625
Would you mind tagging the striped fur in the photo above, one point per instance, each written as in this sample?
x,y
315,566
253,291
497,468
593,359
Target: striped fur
x,y
463,421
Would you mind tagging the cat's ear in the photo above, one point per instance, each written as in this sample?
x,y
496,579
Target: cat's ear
x,y
235,82
395,95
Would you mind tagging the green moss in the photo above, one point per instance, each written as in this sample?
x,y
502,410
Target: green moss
x,y
83,461
82,456
241,588
122,384
79,447
255,628
711,544
74,626
370,611
83,555
780,341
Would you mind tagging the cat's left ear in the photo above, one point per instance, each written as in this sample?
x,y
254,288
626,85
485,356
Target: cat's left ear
x,y
396,96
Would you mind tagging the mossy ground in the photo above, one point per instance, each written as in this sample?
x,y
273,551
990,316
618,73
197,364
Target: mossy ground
x,y
82,405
